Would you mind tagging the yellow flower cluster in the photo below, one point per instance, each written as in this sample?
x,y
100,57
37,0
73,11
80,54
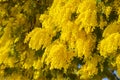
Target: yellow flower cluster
x,y
17,60
57,56
27,62
38,38
85,45
5,46
87,15
111,28
90,68
84,31
109,45
73,33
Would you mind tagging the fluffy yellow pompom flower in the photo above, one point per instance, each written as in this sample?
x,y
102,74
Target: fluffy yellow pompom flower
x,y
109,45
85,45
90,68
87,15
38,38
111,28
57,56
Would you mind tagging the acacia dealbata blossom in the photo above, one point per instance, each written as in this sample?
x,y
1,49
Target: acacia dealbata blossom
x,y
59,39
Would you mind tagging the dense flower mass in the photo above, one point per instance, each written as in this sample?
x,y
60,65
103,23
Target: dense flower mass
x,y
48,39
